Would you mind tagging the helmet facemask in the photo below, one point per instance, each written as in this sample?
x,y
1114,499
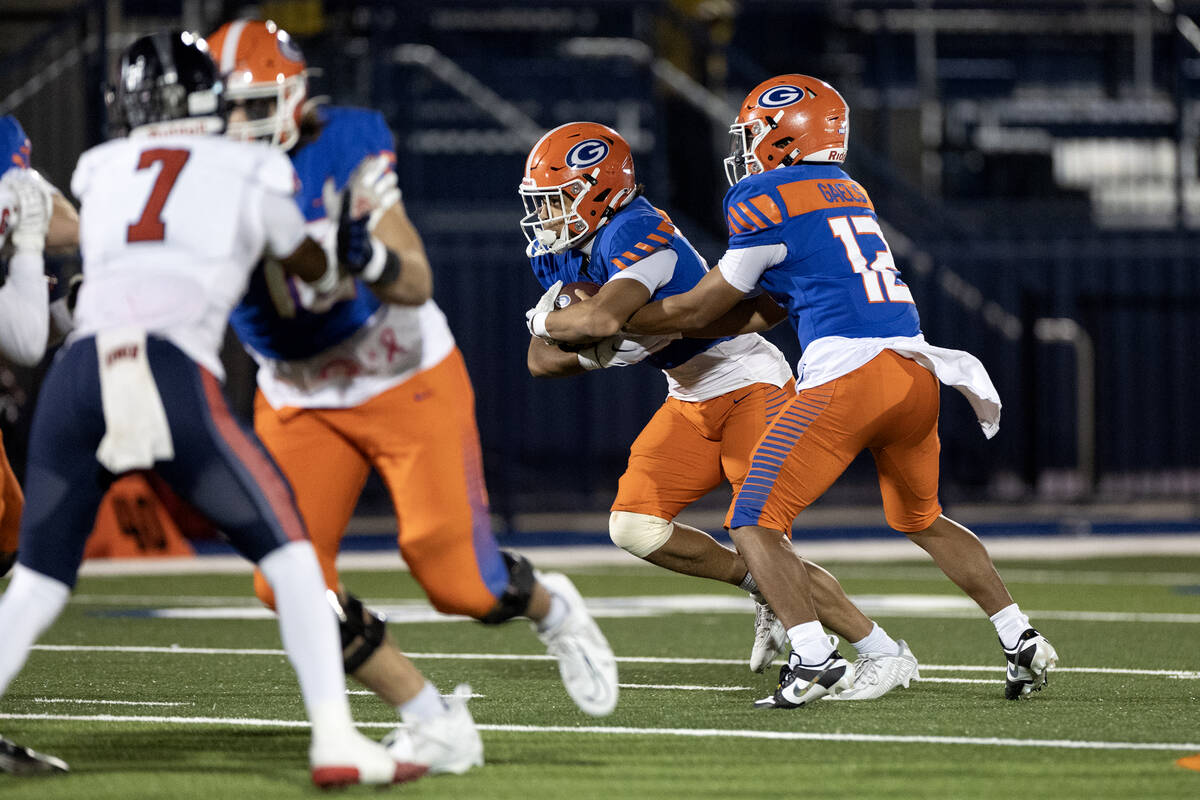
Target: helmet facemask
x,y
552,222
744,139
270,110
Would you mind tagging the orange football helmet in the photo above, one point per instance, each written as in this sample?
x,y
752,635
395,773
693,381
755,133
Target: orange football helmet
x,y
265,76
576,177
785,120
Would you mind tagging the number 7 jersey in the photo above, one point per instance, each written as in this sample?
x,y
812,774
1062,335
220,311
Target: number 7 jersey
x,y
170,229
833,272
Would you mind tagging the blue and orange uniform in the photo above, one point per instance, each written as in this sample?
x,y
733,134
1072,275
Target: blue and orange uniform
x,y
365,384
721,392
808,235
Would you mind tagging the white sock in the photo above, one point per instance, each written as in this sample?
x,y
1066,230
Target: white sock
x,y
1010,624
556,614
427,704
810,643
30,604
310,636
877,641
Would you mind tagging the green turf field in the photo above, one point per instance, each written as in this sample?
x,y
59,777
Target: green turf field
x,y
203,707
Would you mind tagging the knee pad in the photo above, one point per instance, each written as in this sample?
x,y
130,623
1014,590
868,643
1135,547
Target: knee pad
x,y
515,600
639,534
362,629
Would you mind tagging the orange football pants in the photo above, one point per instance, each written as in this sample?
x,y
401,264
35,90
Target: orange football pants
x,y
688,448
11,503
422,439
888,406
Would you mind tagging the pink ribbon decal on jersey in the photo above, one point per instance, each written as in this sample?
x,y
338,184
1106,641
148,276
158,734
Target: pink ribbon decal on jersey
x,y
387,338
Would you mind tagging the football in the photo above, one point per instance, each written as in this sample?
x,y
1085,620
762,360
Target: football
x,y
567,296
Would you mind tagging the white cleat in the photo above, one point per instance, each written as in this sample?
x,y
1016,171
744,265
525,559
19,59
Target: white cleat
x,y
876,674
447,743
355,759
585,660
1029,663
769,635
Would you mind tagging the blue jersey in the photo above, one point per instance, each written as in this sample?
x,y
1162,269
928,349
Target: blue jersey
x,y
839,278
346,137
633,233
14,145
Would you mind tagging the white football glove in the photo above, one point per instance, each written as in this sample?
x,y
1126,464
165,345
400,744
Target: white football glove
x,y
621,351
373,188
535,318
35,204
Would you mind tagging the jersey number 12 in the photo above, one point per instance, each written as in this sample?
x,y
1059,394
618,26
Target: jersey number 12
x,y
880,277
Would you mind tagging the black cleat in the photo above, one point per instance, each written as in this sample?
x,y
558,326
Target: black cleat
x,y
801,683
1028,663
18,760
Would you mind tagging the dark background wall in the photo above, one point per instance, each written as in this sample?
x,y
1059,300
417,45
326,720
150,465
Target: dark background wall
x,y
1034,163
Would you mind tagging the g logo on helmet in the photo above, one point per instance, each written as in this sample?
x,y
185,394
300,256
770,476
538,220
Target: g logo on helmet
x,y
587,153
780,96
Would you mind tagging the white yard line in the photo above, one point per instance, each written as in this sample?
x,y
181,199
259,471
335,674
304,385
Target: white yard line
x,y
1034,548
86,702
717,733
685,687
220,651
924,606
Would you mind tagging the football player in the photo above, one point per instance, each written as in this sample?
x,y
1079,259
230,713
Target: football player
x,y
367,376
806,234
586,220
173,220
33,216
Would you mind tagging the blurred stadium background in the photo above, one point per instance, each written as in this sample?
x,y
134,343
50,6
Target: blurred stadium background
x,y
1034,162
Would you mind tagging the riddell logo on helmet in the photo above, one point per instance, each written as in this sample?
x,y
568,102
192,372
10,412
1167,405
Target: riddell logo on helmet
x,y
587,153
780,96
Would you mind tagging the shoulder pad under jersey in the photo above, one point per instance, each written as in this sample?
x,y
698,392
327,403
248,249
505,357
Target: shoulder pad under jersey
x,y
633,234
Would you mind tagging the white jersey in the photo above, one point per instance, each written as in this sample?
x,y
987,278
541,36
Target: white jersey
x,y
170,229
24,299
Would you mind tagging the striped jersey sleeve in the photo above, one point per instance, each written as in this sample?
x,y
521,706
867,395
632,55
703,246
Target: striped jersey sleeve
x,y
757,207
633,242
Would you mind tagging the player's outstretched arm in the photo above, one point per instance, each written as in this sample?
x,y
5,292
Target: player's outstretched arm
x,y
309,262
692,310
414,284
64,224
752,315
597,317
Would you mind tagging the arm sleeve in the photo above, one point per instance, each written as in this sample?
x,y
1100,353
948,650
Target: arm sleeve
x,y
282,220
654,271
741,268
283,224
24,311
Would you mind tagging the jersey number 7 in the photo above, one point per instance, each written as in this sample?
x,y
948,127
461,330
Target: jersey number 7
x,y
880,276
150,226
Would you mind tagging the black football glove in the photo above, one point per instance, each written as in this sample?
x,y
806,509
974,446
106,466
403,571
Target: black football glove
x,y
364,256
